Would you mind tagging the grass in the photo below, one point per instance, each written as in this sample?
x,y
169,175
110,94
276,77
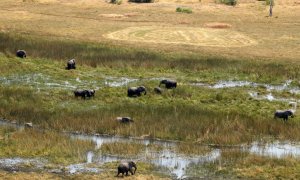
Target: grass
x,y
104,175
228,2
122,149
187,113
242,165
184,10
49,145
53,34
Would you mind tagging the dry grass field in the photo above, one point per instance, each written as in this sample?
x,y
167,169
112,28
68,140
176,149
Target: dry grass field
x,y
249,32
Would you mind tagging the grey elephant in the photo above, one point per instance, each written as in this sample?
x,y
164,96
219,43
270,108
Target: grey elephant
x,y
158,90
21,53
71,64
169,84
283,114
125,119
125,167
136,91
84,93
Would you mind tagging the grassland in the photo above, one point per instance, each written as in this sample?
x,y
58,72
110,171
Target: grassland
x,y
190,48
189,113
50,146
242,165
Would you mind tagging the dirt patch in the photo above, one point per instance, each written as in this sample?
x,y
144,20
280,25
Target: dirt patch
x,y
217,25
112,15
183,35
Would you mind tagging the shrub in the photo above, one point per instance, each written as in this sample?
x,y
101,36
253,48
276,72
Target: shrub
x,y
142,1
184,10
116,2
227,2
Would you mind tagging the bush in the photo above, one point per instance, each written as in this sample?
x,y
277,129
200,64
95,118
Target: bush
x,y
227,2
116,2
184,10
268,2
142,1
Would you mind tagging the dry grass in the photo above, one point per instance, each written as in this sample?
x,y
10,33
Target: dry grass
x,y
82,20
107,176
189,36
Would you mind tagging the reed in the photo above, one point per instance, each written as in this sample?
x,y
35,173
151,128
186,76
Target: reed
x,y
54,147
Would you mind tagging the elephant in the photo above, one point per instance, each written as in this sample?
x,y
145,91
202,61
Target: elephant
x,y
84,93
125,167
28,125
158,90
90,93
136,91
21,53
283,114
124,119
169,84
71,64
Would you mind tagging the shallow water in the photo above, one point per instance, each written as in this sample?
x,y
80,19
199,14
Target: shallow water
x,y
166,159
17,163
276,149
234,84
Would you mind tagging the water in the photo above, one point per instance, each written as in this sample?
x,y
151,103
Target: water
x,y
276,149
17,163
235,84
167,159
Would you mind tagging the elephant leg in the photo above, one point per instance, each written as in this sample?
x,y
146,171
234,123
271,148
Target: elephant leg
x,y
131,172
126,173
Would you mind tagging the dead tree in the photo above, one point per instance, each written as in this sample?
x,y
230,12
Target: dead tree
x,y
271,7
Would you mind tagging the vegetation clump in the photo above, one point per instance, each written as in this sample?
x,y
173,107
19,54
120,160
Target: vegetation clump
x,y
142,1
116,2
184,10
227,2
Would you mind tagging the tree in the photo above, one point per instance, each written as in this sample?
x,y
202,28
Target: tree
x,y
271,7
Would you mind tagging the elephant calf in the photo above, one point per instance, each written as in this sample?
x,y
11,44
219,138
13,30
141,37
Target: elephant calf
x,y
84,93
125,167
283,114
21,53
158,90
71,64
136,91
124,119
169,84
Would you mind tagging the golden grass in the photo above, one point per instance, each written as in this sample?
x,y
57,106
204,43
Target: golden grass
x,y
82,20
189,36
47,176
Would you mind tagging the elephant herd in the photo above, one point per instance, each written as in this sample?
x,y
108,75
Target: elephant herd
x,y
138,91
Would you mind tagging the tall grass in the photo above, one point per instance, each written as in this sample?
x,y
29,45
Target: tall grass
x,y
49,145
111,56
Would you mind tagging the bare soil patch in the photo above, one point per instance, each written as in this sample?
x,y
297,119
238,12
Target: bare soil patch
x,y
217,25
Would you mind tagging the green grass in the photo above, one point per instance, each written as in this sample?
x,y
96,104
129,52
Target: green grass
x,y
242,165
54,147
186,113
184,10
135,61
227,2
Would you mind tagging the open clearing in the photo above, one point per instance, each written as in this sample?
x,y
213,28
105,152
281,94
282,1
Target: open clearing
x,y
211,28
177,35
